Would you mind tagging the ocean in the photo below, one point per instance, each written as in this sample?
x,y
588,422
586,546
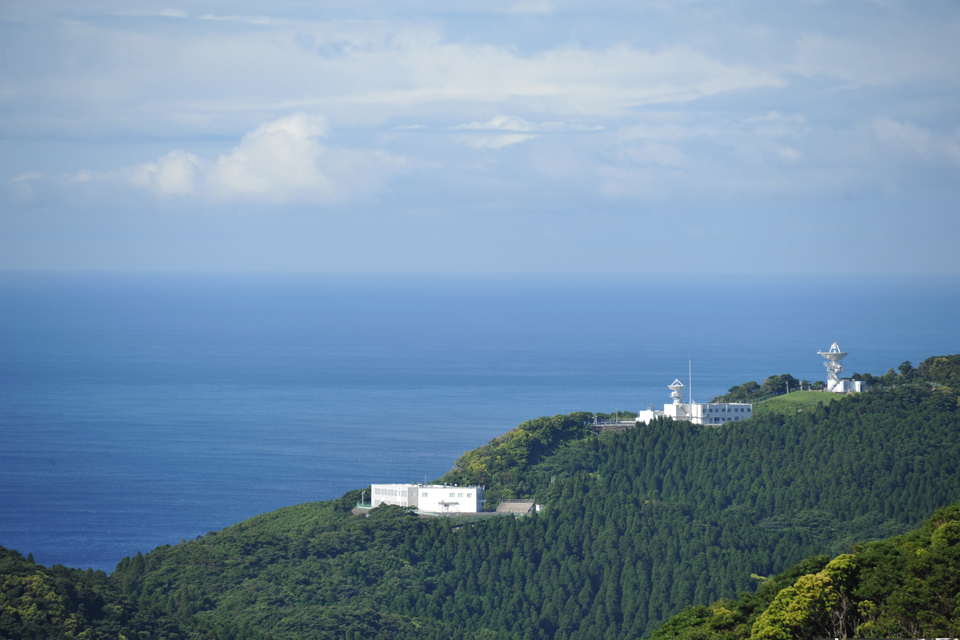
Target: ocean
x,y
138,410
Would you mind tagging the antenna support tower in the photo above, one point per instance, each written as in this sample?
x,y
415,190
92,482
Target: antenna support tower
x,y
834,368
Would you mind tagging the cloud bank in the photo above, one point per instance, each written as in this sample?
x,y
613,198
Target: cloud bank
x,y
279,161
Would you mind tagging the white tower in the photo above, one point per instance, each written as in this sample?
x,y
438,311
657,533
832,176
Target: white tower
x,y
834,368
677,394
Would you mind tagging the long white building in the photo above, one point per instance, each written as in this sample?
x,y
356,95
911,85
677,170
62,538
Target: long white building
x,y
697,413
429,498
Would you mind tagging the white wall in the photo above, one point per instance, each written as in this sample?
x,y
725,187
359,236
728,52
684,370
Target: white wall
x,y
848,386
718,413
401,495
428,498
434,498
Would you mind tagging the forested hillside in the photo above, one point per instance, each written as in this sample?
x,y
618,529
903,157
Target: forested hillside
x,y
903,587
638,525
40,603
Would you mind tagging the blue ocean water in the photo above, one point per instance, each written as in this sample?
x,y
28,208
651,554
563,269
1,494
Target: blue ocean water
x,y
136,410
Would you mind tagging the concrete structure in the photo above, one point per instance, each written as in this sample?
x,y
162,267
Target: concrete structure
x,y
619,425
697,413
429,498
402,495
848,386
517,507
834,369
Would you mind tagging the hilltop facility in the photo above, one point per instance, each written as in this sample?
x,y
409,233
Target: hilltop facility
x,y
697,413
429,498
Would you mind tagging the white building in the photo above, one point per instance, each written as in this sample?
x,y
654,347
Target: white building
x,y
697,413
848,386
401,495
429,498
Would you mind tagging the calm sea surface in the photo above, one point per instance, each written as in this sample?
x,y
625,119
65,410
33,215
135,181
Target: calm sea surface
x,y
139,410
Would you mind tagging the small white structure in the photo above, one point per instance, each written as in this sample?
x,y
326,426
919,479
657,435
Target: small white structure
x,y
834,369
697,413
429,498
848,386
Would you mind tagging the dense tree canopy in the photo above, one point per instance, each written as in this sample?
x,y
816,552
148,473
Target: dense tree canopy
x,y
903,587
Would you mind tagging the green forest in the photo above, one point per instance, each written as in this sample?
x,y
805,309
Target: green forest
x,y
669,519
902,587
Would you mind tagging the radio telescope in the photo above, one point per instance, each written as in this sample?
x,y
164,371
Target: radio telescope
x,y
834,368
677,394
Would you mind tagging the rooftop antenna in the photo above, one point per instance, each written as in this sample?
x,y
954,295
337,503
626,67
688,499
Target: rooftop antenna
x,y
690,372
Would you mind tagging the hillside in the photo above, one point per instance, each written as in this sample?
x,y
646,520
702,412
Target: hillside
x,y
903,587
638,526
795,402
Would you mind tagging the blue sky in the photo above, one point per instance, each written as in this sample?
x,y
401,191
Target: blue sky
x,y
713,139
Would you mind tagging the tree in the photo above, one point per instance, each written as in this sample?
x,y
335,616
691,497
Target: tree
x,y
907,371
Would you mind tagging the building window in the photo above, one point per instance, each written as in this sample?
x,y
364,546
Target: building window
x,y
451,495
424,496
469,495
459,495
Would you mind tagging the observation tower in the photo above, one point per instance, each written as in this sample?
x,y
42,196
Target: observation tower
x,y
834,368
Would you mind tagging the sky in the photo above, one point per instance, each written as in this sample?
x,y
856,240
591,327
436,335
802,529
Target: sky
x,y
732,138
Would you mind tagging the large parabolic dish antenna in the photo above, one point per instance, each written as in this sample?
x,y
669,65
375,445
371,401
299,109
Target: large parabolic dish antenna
x,y
834,368
677,389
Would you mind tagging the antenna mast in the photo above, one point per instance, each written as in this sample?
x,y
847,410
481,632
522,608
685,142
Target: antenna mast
x,y
690,379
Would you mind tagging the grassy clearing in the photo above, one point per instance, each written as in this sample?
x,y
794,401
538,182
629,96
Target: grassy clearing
x,y
795,402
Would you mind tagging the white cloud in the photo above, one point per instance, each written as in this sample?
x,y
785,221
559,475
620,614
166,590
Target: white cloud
x,y
909,139
276,161
884,58
224,74
281,160
513,123
562,81
25,176
263,21
789,153
85,175
504,123
172,174
494,141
